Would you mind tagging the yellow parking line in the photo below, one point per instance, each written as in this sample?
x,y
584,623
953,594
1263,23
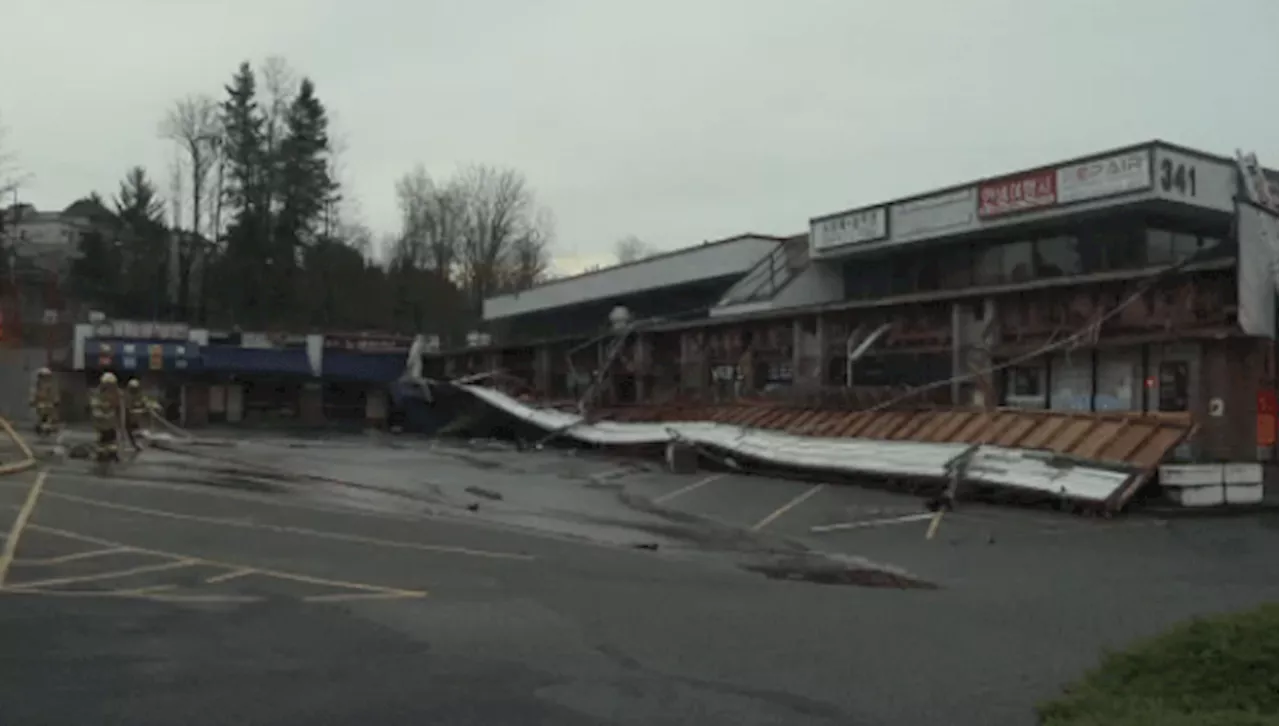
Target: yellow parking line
x,y
228,566
145,590
349,596
284,529
126,594
15,532
686,489
786,508
73,557
231,575
103,575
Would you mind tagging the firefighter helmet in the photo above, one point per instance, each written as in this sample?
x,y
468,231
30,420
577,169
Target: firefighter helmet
x,y
133,383
108,379
44,371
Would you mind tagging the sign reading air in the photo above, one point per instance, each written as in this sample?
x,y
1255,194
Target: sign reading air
x,y
1105,177
857,227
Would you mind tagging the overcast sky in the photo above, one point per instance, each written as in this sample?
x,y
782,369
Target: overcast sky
x,y
677,121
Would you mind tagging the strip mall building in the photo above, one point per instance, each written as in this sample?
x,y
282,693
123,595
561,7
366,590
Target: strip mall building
x,y
1135,280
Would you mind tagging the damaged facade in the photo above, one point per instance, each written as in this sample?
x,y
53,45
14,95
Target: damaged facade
x,y
1112,284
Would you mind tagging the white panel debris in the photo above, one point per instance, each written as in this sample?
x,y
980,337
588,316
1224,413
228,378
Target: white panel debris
x,y
1022,469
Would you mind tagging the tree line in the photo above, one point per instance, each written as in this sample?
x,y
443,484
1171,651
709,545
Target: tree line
x,y
253,229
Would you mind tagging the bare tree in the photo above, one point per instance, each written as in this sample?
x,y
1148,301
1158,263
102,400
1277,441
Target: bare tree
x,y
279,85
193,124
415,192
501,215
632,249
11,179
10,176
529,259
432,221
176,286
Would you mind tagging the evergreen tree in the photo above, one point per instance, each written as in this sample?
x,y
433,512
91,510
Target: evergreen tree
x,y
95,272
144,247
240,281
305,189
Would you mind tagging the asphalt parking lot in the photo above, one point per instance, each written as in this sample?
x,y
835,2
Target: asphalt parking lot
x,y
338,581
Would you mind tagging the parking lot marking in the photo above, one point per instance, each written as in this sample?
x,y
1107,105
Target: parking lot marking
x,y
842,526
786,508
20,523
148,590
271,500
285,529
686,489
136,595
73,557
103,575
291,576
349,596
233,574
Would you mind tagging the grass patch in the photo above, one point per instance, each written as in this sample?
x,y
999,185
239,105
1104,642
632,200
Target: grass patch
x,y
1216,671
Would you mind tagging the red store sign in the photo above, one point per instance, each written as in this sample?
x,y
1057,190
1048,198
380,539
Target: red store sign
x,y
1018,194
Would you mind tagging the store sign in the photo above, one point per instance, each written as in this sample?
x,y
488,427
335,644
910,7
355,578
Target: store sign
x,y
1105,177
1195,180
368,343
1020,193
1266,417
149,330
139,355
857,227
936,216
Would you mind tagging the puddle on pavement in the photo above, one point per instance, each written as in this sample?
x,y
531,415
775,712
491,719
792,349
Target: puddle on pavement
x,y
830,570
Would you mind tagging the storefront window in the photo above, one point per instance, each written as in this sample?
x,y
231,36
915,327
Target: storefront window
x,y
1116,388
1173,386
1159,247
1123,248
1024,386
1186,246
904,275
956,268
866,279
1058,256
930,274
1017,261
1072,382
987,269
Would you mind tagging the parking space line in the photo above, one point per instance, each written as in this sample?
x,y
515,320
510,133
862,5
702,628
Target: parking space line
x,y
103,575
349,596
233,574
128,594
285,529
73,557
150,589
841,526
786,508
15,532
291,576
686,489
265,499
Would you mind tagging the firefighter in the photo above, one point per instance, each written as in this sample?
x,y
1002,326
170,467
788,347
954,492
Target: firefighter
x,y
45,398
106,405
136,406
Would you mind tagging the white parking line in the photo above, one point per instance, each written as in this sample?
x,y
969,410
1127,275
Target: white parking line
x,y
786,508
686,489
841,526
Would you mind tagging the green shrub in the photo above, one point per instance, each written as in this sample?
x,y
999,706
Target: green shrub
x,y
1216,671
